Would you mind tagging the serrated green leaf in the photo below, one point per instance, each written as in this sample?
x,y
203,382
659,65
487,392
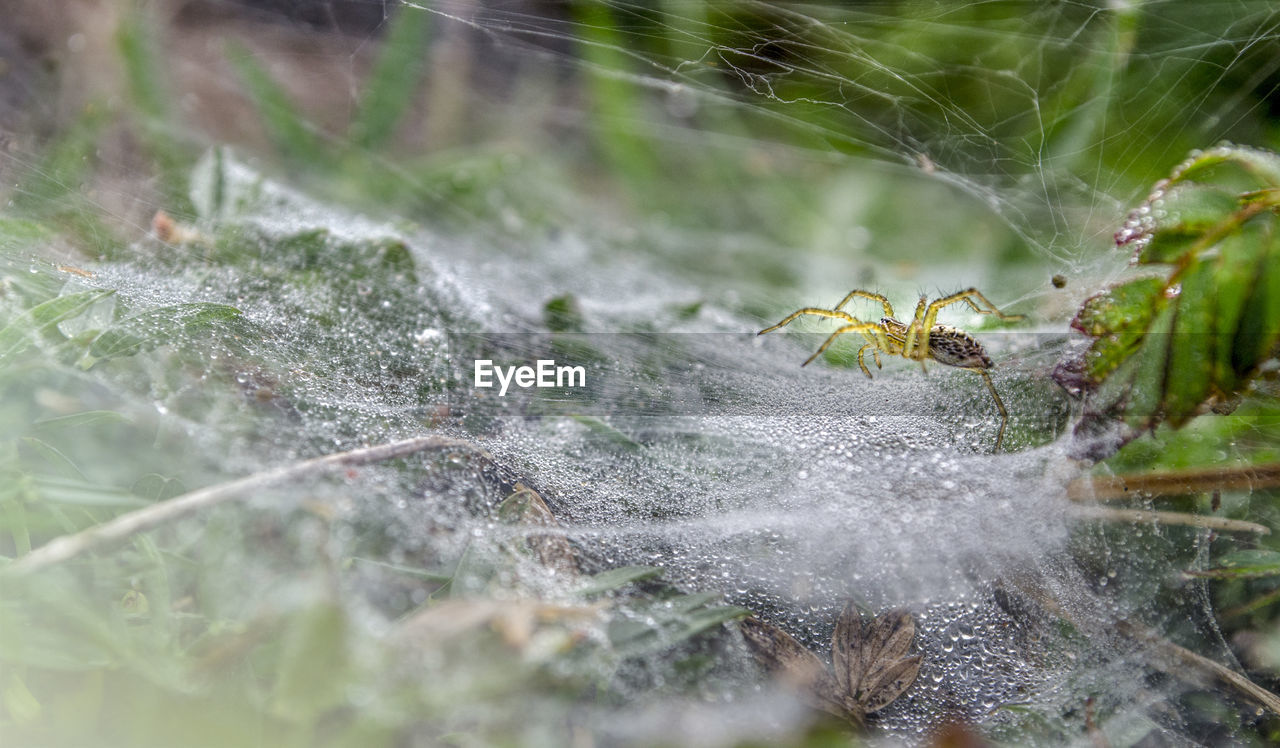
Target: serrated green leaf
x,y
1191,347
1163,348
1263,165
1118,318
1190,212
1126,305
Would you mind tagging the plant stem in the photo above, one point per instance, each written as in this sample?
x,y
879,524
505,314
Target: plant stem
x,y
1175,482
126,525
1168,518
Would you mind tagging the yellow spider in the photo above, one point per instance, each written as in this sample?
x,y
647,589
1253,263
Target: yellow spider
x,y
918,340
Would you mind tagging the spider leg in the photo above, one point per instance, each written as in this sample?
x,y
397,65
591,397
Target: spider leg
x,y
1004,414
862,327
916,345
874,352
967,296
834,314
856,293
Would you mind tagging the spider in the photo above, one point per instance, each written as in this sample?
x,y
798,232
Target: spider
x,y
918,340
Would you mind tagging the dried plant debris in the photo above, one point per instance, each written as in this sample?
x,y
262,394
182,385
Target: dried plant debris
x,y
871,665
525,506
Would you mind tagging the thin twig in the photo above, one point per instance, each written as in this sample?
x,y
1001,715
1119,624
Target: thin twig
x,y
126,525
1171,658
1174,482
1183,657
1168,518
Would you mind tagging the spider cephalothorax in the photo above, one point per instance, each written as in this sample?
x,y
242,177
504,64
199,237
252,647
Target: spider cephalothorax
x,y
920,339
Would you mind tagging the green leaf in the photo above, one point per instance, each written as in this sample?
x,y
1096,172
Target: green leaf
x,y
1262,165
84,494
389,91
83,418
1119,307
1189,212
1260,319
563,314
156,487
662,624
53,456
1165,347
1242,262
16,233
159,326
311,672
1152,357
615,578
210,185
1191,349
142,66
20,704
609,433
1117,318
15,522
1240,564
412,572
42,319
287,128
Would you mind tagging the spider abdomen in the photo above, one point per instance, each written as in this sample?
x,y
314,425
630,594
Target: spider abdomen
x,y
953,347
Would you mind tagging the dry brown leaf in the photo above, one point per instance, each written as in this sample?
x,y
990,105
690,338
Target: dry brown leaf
x,y
553,551
872,667
870,658
788,661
